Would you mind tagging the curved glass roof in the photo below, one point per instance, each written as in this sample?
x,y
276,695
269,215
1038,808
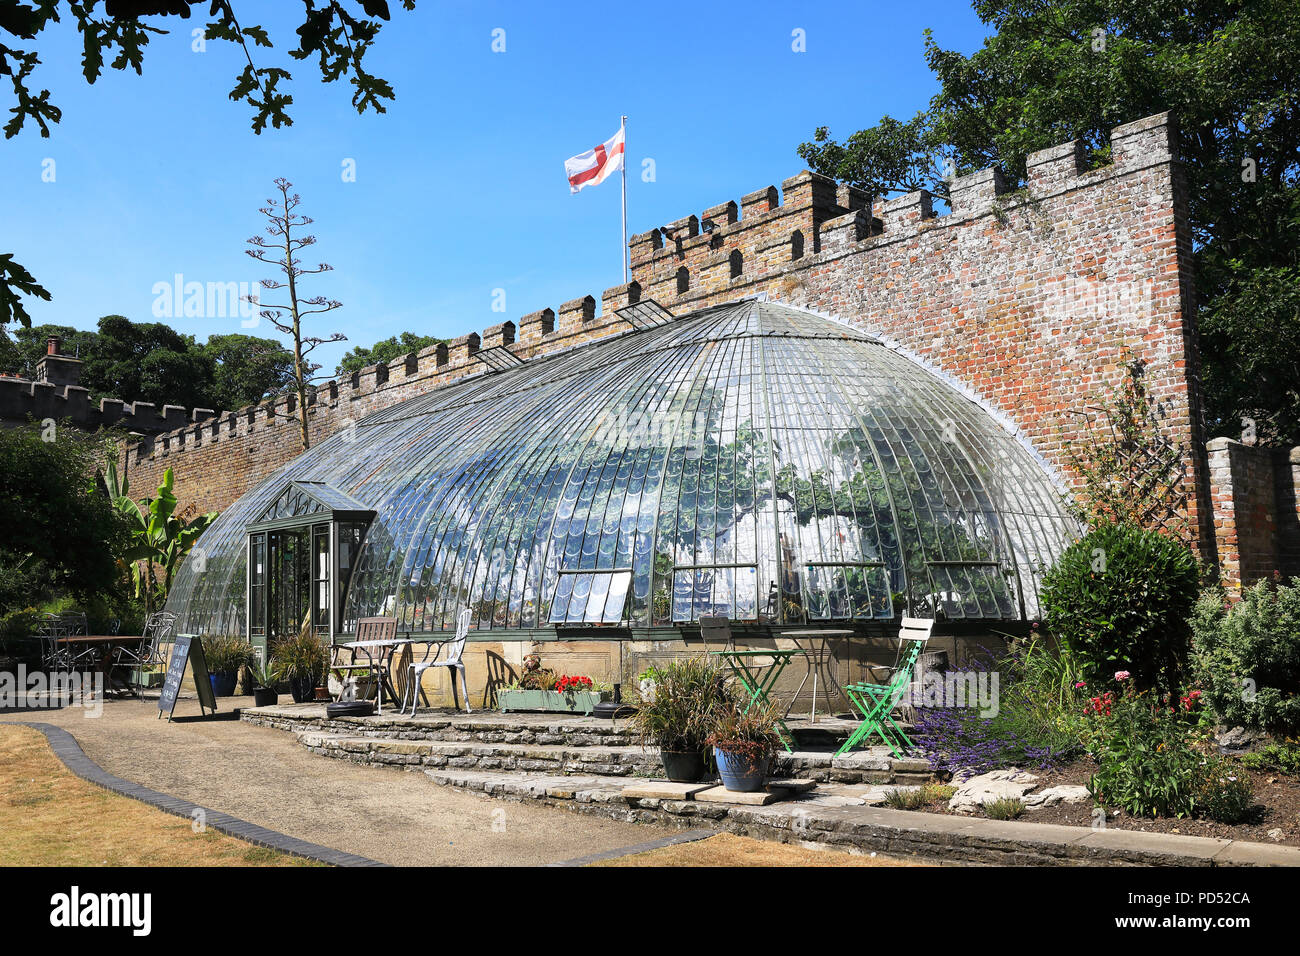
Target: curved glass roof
x,y
751,459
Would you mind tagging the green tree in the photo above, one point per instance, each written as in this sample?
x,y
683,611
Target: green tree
x,y
146,361
1073,69
385,351
245,370
150,362
57,534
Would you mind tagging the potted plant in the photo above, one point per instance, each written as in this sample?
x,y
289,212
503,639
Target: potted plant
x,y
226,655
744,743
677,716
265,678
301,660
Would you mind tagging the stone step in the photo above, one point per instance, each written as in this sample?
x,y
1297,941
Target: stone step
x,y
678,799
569,730
870,767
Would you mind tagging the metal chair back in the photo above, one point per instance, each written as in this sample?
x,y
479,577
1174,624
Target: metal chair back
x,y
156,630
716,629
456,646
50,630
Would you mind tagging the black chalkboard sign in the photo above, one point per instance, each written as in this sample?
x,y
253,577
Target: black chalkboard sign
x,y
188,647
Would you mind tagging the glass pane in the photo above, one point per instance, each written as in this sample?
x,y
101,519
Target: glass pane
x,y
747,434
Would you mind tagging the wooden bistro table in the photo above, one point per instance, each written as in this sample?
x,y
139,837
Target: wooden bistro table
x,y
380,656
816,658
104,643
758,679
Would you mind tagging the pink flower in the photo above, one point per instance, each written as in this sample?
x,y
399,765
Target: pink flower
x,y
1122,675
1079,684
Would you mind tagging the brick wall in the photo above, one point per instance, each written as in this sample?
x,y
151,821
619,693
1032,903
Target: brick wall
x,y
1256,509
1031,299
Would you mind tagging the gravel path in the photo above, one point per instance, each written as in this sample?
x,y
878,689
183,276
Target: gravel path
x,y
263,776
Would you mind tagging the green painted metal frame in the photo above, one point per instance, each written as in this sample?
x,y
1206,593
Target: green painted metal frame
x,y
758,685
876,703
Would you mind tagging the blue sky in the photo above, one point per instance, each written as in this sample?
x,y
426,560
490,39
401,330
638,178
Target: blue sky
x,y
460,187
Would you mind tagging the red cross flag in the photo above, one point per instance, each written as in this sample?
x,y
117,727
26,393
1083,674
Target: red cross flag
x,y
595,165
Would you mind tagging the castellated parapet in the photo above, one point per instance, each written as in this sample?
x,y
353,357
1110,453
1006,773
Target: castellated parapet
x,y
1034,300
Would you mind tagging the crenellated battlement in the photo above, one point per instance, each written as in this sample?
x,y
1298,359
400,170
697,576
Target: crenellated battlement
x,y
812,220
22,400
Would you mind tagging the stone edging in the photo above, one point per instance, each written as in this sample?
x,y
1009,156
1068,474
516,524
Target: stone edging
x,y
69,752
939,837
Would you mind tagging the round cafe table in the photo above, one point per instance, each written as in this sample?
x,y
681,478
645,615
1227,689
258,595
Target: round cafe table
x,y
104,643
815,658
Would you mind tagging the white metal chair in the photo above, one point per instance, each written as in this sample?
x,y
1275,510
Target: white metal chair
x,y
453,661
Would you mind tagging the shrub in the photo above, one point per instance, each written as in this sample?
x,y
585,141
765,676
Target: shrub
x,y
679,715
1152,759
1036,722
749,734
302,656
1148,751
1223,792
1248,658
226,653
1119,599
916,798
1282,757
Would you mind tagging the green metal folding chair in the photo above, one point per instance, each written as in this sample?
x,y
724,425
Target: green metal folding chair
x,y
876,702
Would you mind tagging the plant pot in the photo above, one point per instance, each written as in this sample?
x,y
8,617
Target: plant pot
x,y
303,689
683,766
223,683
322,693
737,776
265,697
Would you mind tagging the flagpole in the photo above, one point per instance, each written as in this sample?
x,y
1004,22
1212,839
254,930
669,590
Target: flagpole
x,y
623,247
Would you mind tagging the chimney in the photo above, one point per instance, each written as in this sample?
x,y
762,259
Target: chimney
x,y
56,368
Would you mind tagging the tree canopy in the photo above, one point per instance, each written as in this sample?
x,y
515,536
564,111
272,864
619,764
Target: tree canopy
x,y
151,362
384,351
57,532
1050,72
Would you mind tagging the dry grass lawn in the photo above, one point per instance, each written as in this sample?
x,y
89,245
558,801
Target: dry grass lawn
x,y
50,817
727,849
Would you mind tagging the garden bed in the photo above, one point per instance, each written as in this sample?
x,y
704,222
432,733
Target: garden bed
x,y
1277,798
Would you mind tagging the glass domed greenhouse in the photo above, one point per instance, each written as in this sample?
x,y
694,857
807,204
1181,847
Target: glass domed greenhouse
x,y
752,460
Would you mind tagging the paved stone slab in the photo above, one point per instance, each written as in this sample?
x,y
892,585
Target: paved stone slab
x,y
664,790
792,785
1237,853
1178,848
720,794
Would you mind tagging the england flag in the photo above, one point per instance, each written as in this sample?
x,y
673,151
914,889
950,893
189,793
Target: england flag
x,y
595,165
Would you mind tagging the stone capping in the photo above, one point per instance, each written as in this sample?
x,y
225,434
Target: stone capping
x,y
71,755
